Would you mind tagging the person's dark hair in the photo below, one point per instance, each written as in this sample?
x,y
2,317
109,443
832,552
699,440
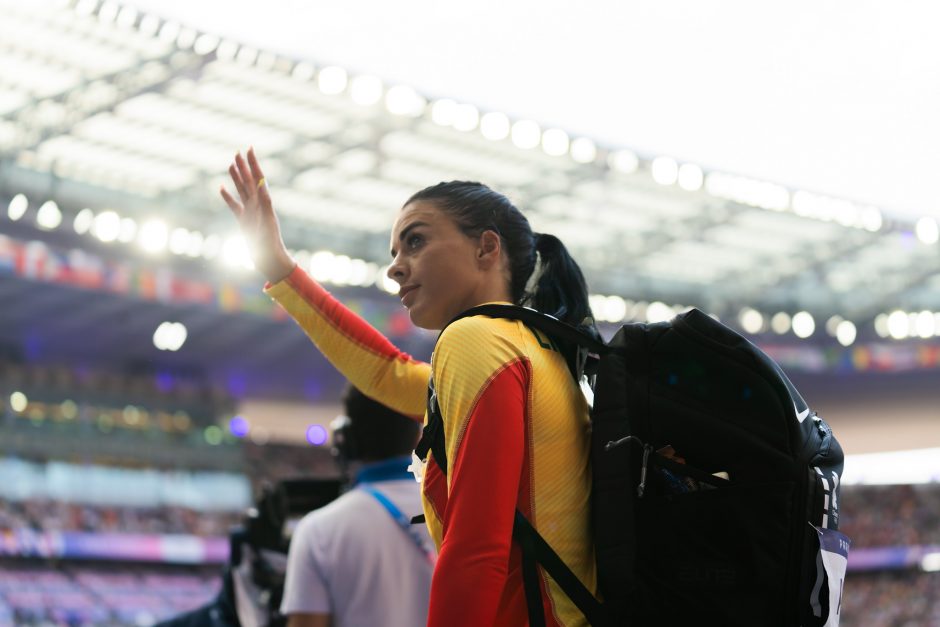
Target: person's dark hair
x,y
561,289
375,431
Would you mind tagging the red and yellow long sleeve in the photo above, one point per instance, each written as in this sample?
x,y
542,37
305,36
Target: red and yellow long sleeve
x,y
516,432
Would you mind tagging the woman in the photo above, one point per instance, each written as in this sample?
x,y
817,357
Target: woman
x,y
516,423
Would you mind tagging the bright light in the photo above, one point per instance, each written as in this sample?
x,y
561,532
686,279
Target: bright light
x,y
149,25
127,230
924,325
153,236
930,562
748,191
583,150
342,269
691,177
597,303
169,32
615,308
303,71
366,90
127,17
206,44
927,230
86,7
832,324
107,226
17,207
316,435
108,12
898,325
403,100
752,321
321,265
239,427
18,402
169,336
555,142
84,220
466,117
495,126
444,111
213,435
659,312
186,38
332,80
845,333
194,247
49,216
780,323
665,170
871,219
212,246
526,134
246,55
179,241
803,324
623,161
235,252
361,273
228,49
881,325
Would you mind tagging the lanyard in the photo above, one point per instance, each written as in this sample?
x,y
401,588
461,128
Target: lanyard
x,y
402,521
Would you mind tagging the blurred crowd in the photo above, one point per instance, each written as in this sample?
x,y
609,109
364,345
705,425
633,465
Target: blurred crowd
x,y
891,599
875,516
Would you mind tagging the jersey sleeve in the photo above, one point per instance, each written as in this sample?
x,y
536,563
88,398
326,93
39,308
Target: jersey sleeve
x,y
353,346
482,386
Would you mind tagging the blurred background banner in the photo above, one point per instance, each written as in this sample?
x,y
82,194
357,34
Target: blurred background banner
x,y
772,166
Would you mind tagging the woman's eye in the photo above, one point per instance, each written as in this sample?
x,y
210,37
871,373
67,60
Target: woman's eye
x,y
414,241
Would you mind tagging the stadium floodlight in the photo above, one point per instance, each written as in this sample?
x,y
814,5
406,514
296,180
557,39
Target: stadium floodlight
x,y
107,226
930,562
927,230
49,216
247,55
898,325
624,161
149,25
235,252
405,101
86,7
228,49
341,270
18,402
466,117
665,170
212,246
83,221
128,230
526,134
846,333
179,241
321,265
316,435
17,207
186,39
366,90
205,44
108,12
690,177
495,126
583,150
803,324
751,320
615,308
747,191
924,325
871,219
332,80
153,236
780,323
555,142
881,325
127,17
170,336
195,244
444,112
303,71
169,32
385,282
832,324
658,312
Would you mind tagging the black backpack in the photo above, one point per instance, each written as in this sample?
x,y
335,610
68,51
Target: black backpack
x,y
715,488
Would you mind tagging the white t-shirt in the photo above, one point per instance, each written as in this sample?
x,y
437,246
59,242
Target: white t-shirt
x,y
351,559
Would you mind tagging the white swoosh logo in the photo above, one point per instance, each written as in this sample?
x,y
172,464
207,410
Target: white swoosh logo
x,y
801,415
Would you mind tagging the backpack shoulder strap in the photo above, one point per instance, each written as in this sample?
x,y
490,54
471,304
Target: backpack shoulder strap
x,y
539,320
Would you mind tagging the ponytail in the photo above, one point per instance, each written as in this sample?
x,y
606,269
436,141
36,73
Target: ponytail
x,y
559,287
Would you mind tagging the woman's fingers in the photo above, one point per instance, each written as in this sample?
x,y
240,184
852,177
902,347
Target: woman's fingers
x,y
255,166
237,180
248,180
233,204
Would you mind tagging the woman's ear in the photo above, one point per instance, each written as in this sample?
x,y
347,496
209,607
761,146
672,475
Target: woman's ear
x,y
490,248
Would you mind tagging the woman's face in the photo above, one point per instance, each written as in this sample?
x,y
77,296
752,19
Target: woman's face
x,y
440,271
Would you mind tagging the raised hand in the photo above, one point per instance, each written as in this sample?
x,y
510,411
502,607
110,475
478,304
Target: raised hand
x,y
256,217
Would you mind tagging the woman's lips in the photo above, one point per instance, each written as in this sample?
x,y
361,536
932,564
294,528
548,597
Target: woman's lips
x,y
404,292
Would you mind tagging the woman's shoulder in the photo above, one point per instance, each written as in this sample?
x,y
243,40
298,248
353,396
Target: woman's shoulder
x,y
481,331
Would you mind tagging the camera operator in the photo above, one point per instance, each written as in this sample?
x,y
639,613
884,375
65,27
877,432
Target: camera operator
x,y
359,561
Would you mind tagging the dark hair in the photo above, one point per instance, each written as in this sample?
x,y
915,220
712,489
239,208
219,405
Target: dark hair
x,y
375,431
561,290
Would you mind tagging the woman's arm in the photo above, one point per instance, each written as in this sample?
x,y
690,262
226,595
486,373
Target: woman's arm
x,y
354,347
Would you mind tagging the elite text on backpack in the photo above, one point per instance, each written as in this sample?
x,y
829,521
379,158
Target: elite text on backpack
x,y
715,487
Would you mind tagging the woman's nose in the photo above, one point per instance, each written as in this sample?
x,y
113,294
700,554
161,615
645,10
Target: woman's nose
x,y
396,271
